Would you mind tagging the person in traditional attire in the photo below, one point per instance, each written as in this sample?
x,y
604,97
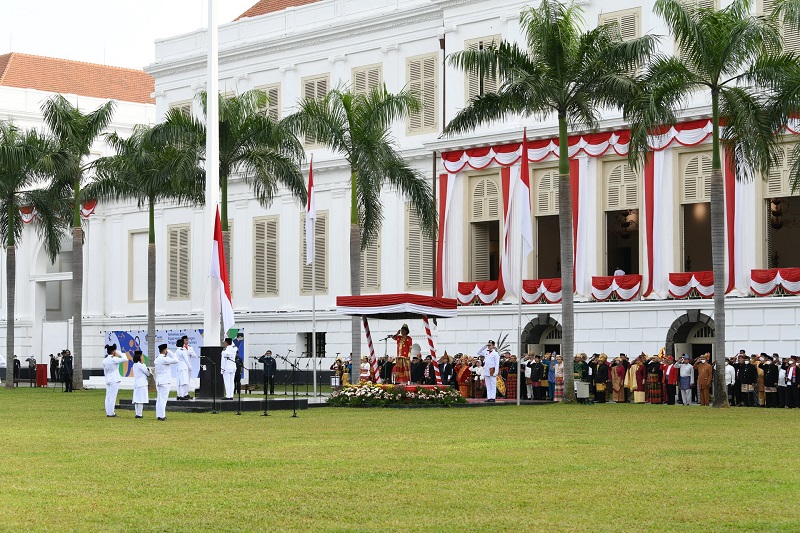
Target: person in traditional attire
x,y
704,376
750,382
559,375
182,358
163,363
446,369
685,376
740,367
618,372
228,367
653,366
113,378
671,374
364,369
140,375
770,370
601,379
760,393
511,378
550,370
402,364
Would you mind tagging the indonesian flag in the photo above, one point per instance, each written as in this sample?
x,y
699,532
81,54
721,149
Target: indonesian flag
x,y
311,215
524,199
219,276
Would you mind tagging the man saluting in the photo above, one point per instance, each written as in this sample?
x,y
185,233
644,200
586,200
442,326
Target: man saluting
x,y
111,371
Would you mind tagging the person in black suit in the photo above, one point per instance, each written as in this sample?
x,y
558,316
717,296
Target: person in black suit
x,y
417,370
537,374
16,366
385,367
270,368
445,370
771,371
53,368
237,377
66,370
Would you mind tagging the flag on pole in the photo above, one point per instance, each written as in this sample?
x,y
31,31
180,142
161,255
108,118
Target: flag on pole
x,y
219,276
524,199
311,215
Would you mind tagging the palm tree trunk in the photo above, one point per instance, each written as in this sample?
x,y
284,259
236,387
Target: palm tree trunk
x,y
151,283
355,279
77,305
567,262
11,277
718,258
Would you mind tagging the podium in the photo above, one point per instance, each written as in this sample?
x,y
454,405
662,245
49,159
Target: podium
x,y
41,375
210,361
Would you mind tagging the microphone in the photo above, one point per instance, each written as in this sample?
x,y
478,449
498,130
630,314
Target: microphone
x,y
290,351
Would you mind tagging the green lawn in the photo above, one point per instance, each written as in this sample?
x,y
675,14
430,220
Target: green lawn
x,y
533,468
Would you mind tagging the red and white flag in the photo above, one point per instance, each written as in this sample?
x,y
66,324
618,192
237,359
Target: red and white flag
x,y
219,276
311,215
524,199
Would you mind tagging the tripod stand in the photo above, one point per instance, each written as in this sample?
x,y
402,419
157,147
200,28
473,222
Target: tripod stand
x,y
294,383
305,375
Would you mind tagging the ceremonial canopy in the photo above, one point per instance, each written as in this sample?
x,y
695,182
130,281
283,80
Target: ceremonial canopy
x,y
396,306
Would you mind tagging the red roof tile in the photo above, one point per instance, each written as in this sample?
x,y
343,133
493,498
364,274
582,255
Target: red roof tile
x,y
271,6
75,77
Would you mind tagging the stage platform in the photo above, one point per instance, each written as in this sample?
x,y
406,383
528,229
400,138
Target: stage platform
x,y
249,403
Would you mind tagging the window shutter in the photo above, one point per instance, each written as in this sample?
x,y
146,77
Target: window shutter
x,y
265,256
314,89
546,192
791,36
696,178
320,255
422,80
480,252
178,267
365,79
184,107
622,188
627,22
371,266
273,106
776,176
473,81
419,267
485,199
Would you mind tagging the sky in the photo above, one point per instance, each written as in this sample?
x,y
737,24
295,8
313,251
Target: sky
x,y
111,32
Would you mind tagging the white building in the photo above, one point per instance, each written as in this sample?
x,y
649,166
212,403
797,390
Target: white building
x,y
651,224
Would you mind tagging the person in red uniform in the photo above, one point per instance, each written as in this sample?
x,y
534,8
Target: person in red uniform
x,y
402,365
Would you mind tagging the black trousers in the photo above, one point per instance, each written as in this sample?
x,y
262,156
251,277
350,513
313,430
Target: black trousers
x,y
271,381
792,397
671,389
781,397
67,377
772,399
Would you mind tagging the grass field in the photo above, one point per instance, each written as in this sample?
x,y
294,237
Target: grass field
x,y
66,466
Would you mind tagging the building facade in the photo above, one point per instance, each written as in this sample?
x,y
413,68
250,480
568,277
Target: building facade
x,y
653,225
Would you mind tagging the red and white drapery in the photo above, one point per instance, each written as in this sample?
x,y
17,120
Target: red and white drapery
x,y
658,199
485,292
625,288
765,282
29,213
682,283
533,290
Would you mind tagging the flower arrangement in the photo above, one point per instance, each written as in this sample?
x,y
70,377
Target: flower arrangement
x,y
369,394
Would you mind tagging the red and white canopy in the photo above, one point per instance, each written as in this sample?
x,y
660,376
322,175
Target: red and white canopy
x,y
396,306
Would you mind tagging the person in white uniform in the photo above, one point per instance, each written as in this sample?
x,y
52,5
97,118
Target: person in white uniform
x,y
228,367
140,375
188,355
163,363
113,378
182,358
491,367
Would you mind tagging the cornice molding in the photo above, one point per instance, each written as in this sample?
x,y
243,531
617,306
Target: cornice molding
x,y
271,44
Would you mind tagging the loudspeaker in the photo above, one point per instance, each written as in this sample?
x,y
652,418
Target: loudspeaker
x,y
210,360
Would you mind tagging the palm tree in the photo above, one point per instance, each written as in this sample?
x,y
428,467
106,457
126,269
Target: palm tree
x,y
23,162
565,71
75,132
251,144
147,170
736,58
357,127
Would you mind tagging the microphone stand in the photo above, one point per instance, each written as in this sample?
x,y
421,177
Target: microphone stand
x,y
241,375
305,375
294,384
213,392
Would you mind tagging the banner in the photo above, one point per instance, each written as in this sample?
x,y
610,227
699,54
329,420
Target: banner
x,y
130,341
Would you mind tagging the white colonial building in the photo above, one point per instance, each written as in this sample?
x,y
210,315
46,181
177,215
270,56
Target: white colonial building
x,y
654,224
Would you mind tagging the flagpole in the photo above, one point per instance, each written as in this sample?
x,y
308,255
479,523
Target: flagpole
x,y
211,318
520,376
314,318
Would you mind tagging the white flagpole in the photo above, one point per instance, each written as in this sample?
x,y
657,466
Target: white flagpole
x,y
520,376
314,315
211,320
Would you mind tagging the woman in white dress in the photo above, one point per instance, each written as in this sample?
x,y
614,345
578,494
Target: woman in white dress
x,y
140,375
